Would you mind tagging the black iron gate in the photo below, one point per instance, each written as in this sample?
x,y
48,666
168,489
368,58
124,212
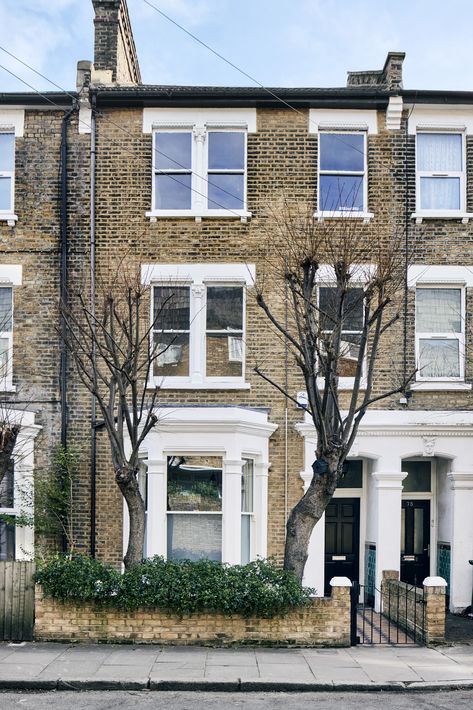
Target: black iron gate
x,y
400,620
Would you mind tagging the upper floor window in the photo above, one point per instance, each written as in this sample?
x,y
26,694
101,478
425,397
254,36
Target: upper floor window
x,y
198,323
440,172
199,170
7,172
342,184
6,333
352,326
440,331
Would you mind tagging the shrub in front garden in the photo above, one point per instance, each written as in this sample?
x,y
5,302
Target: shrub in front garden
x,y
178,586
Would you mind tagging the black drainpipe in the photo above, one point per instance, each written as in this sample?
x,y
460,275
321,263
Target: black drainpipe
x,y
63,284
93,413
63,274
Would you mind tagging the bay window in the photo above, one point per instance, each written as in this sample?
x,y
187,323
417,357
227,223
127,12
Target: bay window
x,y
7,506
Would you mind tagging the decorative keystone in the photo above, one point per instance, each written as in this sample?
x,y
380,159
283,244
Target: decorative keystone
x,y
340,582
434,582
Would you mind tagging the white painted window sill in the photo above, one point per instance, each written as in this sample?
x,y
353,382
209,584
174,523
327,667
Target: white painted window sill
x,y
440,386
349,214
242,215
168,384
420,216
9,218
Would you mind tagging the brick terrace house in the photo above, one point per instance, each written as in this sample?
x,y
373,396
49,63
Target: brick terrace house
x,y
176,179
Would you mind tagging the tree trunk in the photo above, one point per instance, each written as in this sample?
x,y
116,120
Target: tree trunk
x,y
8,436
128,484
302,520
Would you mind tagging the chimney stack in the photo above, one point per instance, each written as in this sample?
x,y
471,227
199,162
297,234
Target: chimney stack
x,y
115,59
389,77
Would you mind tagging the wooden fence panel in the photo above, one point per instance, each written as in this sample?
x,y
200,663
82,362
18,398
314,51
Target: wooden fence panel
x,y
16,601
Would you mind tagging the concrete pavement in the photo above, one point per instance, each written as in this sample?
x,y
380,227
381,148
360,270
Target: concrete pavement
x,y
80,667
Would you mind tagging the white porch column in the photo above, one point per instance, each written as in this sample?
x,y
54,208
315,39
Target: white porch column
x,y
260,547
231,511
388,491
461,575
24,535
156,533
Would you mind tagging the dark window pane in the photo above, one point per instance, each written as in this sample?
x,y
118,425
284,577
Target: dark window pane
x,y
226,191
352,309
342,151
173,192
224,308
353,476
171,308
194,483
6,488
5,193
7,541
172,350
7,152
418,476
226,150
5,309
341,193
173,151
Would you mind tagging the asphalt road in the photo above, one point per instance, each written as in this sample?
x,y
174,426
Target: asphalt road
x,y
142,700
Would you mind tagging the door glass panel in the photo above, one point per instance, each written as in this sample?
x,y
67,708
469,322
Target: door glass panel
x,y
353,478
418,531
418,476
403,531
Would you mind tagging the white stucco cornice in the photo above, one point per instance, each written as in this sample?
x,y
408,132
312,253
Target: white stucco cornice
x,y
220,420
378,422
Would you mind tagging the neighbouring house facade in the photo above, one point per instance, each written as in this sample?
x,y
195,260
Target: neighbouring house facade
x,y
177,182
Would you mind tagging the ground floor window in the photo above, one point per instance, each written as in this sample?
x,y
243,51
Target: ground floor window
x,y
194,504
247,512
7,503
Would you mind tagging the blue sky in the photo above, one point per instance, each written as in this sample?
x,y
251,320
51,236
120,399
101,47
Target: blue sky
x,y
279,42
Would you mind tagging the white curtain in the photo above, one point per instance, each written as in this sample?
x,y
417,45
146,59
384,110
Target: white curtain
x,y
438,310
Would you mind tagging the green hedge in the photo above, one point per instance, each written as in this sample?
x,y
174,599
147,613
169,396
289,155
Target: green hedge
x,y
180,587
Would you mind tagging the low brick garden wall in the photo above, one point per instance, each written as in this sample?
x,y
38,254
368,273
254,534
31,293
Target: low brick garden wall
x,y
325,622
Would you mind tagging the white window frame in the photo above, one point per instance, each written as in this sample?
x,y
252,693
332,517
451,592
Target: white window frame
x,y
7,375
460,337
434,212
199,171
361,214
11,275
8,215
198,277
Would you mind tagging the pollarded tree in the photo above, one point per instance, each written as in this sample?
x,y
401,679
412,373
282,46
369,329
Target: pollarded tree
x,y
343,289
110,347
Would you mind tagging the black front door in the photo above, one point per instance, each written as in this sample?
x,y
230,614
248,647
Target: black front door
x,y
342,540
415,541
